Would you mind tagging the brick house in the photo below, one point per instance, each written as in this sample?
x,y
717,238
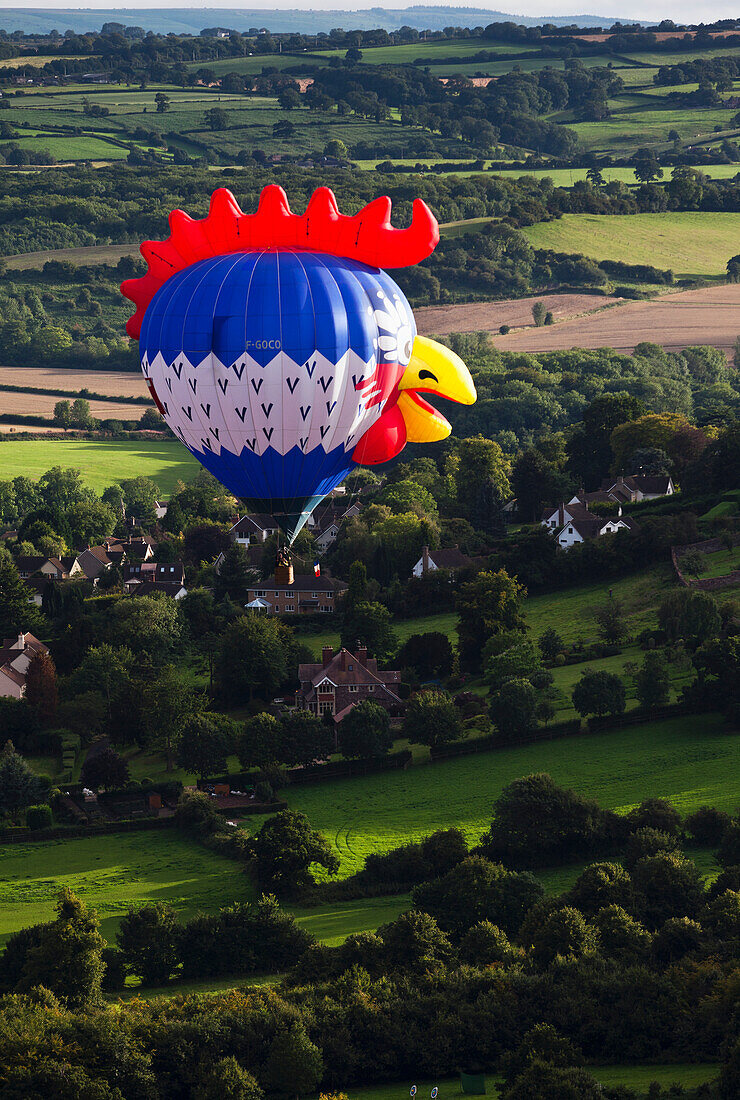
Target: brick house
x,y
299,594
344,679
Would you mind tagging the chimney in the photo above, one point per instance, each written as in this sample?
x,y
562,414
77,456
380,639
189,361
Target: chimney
x,y
561,515
361,655
425,559
21,643
327,654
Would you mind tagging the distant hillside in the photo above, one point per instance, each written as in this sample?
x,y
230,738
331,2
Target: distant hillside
x,y
193,20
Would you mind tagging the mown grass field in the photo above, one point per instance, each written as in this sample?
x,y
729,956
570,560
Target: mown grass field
x,y
102,464
110,873
72,147
687,243
635,1077
690,761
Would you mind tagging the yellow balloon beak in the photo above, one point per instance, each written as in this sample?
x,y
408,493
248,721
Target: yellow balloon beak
x,y
433,368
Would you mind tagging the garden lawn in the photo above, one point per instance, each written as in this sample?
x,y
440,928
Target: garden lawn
x,y
689,760
687,243
635,1077
111,873
102,464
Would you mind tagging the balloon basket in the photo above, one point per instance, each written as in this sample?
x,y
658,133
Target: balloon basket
x,y
283,566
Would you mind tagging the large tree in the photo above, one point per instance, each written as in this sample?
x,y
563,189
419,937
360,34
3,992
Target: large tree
x,y
369,624
365,731
431,718
294,1064
105,769
284,849
19,786
488,605
590,454
253,657
41,686
203,745
235,576
481,461
168,702
68,957
149,939
16,614
599,692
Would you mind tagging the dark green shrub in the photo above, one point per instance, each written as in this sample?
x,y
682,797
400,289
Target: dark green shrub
x,y
39,817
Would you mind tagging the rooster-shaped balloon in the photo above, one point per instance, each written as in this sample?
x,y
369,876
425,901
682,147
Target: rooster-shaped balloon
x,y
281,354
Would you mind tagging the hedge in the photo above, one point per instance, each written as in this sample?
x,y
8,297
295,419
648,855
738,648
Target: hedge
x,y
69,832
168,788
494,741
312,773
38,817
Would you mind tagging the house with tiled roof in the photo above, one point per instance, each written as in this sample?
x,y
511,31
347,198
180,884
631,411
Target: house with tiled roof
x,y
15,657
637,487
255,527
140,547
93,561
449,558
29,565
573,523
341,680
153,573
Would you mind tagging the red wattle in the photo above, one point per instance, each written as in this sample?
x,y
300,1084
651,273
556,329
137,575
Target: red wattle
x,y
383,441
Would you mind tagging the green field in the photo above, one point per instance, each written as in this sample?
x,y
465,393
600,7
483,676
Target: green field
x,y
719,563
74,147
102,464
571,610
566,678
688,760
566,177
687,243
112,873
631,126
635,1077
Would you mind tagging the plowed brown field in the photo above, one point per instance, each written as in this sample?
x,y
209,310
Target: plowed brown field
x,y
113,382
707,316
489,316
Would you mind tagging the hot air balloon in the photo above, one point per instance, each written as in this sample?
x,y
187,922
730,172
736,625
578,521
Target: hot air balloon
x,y
279,351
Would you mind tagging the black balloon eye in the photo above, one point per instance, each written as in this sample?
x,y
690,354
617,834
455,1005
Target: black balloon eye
x,y
423,374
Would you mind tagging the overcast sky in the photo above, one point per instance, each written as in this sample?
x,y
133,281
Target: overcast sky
x,y
679,10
